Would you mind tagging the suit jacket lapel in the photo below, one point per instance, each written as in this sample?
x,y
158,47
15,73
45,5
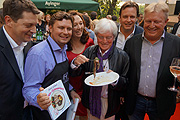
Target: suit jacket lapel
x,y
138,47
9,54
166,50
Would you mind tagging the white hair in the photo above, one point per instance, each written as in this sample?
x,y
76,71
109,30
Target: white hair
x,y
158,7
106,25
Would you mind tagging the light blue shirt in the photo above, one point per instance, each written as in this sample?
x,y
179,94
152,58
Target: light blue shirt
x,y
92,34
39,63
150,60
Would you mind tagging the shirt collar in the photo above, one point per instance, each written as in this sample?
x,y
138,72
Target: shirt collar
x,y
162,36
55,46
104,52
12,42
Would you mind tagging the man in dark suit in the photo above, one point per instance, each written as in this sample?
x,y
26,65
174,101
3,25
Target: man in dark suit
x,y
20,23
149,74
175,30
127,28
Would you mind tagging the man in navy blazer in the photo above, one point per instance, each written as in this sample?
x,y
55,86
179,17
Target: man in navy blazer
x,y
176,26
127,28
149,74
20,23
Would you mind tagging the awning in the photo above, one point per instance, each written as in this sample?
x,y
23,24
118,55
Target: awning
x,y
151,1
88,5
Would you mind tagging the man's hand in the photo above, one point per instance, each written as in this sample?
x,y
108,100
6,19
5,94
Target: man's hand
x,y
109,71
75,95
43,100
80,59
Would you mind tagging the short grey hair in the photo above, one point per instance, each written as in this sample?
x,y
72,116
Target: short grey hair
x,y
105,25
157,7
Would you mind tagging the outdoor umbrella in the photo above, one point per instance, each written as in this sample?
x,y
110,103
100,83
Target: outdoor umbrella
x,y
88,5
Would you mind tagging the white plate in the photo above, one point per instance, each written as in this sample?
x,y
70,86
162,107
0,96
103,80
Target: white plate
x,y
60,99
102,78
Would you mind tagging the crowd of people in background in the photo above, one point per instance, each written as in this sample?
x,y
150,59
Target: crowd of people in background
x,y
38,49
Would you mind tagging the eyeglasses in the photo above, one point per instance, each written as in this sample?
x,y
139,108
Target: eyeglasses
x,y
102,37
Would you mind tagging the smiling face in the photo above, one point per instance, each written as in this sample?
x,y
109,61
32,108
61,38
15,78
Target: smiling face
x,y
23,28
105,40
78,26
61,32
128,18
154,23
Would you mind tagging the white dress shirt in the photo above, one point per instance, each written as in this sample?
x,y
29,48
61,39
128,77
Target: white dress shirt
x,y
121,38
18,52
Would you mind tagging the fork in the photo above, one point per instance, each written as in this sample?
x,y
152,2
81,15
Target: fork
x,y
88,73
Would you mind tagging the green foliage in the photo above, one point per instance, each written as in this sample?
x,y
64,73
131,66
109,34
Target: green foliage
x,y
51,11
106,5
141,9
